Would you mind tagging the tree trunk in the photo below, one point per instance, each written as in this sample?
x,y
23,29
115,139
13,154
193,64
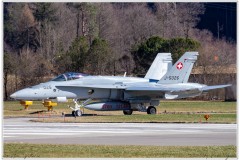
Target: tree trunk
x,y
78,15
5,85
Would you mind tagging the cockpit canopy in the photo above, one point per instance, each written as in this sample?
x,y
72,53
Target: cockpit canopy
x,y
69,76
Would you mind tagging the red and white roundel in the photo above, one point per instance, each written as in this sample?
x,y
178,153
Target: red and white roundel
x,y
179,65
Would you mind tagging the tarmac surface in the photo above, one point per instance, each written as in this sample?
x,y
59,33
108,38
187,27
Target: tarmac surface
x,y
21,130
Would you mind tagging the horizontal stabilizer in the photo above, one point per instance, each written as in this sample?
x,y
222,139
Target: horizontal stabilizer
x,y
207,88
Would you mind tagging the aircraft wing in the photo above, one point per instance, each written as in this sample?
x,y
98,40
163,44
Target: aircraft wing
x,y
164,89
172,91
207,88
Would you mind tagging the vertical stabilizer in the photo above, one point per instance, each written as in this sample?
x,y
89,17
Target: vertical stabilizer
x,y
181,70
160,66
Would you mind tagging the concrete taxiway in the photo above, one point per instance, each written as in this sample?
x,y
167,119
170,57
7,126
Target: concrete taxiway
x,y
157,134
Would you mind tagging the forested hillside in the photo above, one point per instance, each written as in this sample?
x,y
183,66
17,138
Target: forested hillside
x,y
42,40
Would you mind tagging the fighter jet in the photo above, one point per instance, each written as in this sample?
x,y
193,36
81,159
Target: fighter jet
x,y
121,93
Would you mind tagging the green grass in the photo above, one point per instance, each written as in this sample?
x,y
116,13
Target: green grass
x,y
168,111
198,106
13,150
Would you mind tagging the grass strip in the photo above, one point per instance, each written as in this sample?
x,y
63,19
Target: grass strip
x,y
16,150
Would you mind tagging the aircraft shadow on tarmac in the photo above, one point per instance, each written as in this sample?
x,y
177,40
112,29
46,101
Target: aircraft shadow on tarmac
x,y
66,115
83,115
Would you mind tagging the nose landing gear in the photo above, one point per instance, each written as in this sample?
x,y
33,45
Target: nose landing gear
x,y
77,113
77,108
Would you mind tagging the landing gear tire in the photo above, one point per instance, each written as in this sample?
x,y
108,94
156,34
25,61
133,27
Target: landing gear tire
x,y
151,110
73,113
78,113
127,112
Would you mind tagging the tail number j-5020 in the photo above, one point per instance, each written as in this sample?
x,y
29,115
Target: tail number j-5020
x,y
172,78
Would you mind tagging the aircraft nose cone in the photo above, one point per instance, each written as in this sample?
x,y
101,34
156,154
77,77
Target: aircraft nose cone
x,y
25,94
14,95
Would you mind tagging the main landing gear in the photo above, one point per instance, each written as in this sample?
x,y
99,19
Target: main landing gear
x,y
127,112
141,108
151,110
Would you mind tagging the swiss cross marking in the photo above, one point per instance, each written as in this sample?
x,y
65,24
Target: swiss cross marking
x,y
179,65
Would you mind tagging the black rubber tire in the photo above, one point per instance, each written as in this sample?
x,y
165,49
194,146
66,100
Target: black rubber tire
x,y
78,113
127,112
151,110
73,113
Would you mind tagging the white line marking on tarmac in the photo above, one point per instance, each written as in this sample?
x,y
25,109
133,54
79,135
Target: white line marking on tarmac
x,y
8,136
70,132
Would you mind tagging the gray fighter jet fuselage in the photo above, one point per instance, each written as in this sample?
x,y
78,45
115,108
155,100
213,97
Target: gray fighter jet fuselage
x,y
68,89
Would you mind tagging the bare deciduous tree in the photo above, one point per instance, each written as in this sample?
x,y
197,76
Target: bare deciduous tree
x,y
188,15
